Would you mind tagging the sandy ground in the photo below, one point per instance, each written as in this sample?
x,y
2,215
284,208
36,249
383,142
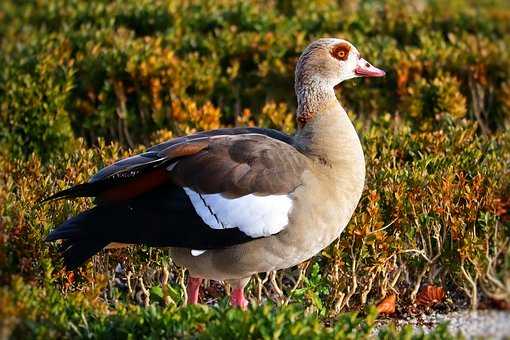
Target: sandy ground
x,y
486,324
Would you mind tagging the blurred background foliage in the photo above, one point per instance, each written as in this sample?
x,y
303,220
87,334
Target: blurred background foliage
x,y
84,83
122,70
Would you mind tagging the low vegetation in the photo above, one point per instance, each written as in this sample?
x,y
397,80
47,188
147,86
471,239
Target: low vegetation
x,y
83,84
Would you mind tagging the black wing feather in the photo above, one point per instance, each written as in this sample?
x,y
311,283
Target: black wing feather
x,y
161,218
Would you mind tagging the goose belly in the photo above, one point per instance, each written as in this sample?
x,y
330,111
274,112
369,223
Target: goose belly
x,y
309,231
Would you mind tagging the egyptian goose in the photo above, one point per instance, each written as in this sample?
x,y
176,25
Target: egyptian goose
x,y
234,202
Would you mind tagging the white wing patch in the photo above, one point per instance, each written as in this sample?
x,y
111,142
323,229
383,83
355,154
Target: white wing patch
x,y
256,216
196,252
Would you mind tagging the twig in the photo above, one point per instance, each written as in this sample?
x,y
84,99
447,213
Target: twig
x,y
274,284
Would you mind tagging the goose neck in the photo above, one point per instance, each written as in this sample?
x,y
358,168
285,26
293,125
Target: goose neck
x,y
313,96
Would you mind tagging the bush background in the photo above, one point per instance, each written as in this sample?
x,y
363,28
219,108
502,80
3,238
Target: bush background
x,y
83,83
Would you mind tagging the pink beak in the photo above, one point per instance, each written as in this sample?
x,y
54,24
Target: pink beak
x,y
365,69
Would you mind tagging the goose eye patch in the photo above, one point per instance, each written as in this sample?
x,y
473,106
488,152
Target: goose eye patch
x,y
341,51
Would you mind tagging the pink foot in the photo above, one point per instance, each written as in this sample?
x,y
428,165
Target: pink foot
x,y
193,289
237,298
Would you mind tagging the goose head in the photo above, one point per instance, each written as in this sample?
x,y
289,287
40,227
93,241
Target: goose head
x,y
327,62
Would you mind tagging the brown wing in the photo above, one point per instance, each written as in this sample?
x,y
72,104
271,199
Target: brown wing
x,y
240,165
153,153
234,162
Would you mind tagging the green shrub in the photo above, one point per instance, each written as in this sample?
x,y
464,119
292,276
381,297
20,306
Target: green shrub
x,y
42,313
81,80
34,92
434,211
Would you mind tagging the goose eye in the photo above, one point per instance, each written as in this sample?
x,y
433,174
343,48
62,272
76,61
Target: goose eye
x,y
341,51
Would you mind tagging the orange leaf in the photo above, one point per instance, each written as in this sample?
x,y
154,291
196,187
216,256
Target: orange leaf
x,y
387,305
430,295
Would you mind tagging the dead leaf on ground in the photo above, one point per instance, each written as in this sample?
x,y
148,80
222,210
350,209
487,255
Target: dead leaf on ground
x,y
500,304
430,295
387,305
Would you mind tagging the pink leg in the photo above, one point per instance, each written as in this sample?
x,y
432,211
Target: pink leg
x,y
193,289
237,298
